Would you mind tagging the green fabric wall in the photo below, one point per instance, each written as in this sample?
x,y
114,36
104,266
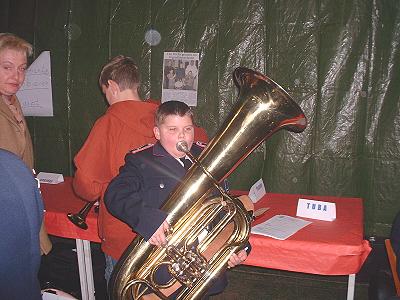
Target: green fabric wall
x,y
339,59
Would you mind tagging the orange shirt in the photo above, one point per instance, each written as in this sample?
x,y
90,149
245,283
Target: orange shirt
x,y
125,126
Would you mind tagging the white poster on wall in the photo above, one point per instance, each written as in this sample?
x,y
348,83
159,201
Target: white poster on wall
x,y
35,95
180,77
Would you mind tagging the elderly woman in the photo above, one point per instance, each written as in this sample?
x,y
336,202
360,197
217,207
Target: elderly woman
x,y
14,132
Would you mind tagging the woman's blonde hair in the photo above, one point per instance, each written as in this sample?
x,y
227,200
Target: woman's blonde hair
x,y
13,42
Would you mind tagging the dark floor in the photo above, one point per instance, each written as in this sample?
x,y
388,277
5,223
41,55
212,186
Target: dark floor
x,y
244,282
257,283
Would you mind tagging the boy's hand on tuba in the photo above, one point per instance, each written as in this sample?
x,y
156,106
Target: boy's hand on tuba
x,y
159,237
237,258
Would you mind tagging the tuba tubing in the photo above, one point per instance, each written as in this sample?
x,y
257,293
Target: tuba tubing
x,y
262,108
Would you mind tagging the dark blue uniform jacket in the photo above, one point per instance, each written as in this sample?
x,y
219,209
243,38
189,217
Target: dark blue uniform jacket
x,y
142,186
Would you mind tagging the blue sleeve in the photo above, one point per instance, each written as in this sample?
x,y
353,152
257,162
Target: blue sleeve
x,y
125,199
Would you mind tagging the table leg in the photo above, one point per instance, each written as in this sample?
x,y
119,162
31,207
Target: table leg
x,y
350,286
85,269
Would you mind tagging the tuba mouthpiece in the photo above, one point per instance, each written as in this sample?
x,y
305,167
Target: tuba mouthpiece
x,y
182,146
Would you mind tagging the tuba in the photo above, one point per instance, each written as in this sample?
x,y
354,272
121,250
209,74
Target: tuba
x,y
262,108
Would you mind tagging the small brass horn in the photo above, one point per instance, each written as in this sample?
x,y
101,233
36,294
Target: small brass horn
x,y
79,219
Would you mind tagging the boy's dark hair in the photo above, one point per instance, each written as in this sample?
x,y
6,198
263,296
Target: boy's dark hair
x,y
123,70
172,108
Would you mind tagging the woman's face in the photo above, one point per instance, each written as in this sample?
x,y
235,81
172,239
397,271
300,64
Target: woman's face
x,y
13,65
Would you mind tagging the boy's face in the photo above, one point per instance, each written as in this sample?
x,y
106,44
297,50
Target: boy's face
x,y
174,129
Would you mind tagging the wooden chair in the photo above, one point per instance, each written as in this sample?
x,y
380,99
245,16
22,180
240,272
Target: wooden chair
x,y
393,265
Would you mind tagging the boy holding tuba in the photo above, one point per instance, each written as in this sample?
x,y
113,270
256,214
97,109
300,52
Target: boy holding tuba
x,y
150,174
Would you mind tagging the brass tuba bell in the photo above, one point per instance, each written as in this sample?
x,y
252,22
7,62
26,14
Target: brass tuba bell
x,y
262,108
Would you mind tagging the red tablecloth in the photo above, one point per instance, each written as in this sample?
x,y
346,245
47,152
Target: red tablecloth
x,y
59,199
326,248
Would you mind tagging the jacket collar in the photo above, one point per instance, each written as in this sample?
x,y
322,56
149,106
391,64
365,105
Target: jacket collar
x,y
159,150
137,115
168,160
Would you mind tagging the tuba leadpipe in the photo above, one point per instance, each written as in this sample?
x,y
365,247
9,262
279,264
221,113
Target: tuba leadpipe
x,y
262,108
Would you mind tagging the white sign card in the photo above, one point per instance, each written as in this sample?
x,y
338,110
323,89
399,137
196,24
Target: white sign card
x,y
180,77
35,95
50,178
319,210
257,191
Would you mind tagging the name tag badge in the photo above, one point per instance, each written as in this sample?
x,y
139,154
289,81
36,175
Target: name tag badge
x,y
319,210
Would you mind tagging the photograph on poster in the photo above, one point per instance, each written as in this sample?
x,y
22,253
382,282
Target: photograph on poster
x,y
180,77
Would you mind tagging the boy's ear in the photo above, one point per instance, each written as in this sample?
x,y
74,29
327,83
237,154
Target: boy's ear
x,y
156,132
113,85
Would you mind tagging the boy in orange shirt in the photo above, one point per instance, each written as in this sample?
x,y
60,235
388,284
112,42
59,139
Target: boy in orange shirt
x,y
126,125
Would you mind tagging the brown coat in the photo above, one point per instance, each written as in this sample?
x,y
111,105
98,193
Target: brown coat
x,y
11,136
14,140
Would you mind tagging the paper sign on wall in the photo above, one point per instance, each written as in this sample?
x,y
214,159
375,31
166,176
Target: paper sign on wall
x,y
180,77
35,95
319,210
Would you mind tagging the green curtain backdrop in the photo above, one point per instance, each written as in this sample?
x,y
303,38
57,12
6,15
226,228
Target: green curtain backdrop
x,y
339,59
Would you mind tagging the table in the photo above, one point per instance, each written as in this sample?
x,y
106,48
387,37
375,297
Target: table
x,y
323,248
59,200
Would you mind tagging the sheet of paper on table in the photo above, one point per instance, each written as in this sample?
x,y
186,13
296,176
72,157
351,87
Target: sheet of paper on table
x,y
280,227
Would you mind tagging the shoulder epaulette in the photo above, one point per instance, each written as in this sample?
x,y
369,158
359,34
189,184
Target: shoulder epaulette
x,y
141,148
201,144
